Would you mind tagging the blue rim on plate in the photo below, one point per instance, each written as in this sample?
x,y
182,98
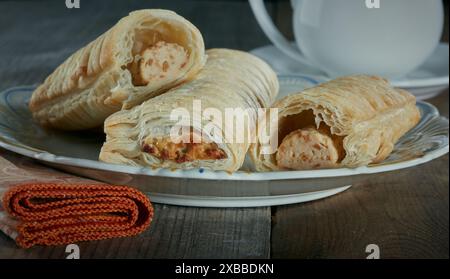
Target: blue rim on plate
x,y
427,141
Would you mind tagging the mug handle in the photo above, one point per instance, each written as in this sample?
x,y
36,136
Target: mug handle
x,y
274,35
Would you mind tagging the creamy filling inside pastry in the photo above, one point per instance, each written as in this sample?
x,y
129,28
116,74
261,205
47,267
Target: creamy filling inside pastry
x,y
307,148
158,62
166,149
304,146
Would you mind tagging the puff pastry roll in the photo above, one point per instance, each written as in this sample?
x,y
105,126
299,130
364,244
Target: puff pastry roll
x,y
347,122
142,56
230,80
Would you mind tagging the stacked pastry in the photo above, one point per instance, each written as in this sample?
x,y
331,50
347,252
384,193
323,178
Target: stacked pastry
x,y
230,79
132,78
121,74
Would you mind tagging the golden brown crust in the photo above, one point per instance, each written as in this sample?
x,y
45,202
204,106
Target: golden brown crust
x,y
94,82
78,71
230,80
365,111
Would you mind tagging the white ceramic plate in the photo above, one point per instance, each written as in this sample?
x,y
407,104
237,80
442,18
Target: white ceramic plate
x,y
78,152
427,81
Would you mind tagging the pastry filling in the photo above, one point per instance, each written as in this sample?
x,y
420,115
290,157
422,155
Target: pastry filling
x,y
158,62
306,147
166,149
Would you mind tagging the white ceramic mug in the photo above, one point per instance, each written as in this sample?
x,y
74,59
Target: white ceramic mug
x,y
340,37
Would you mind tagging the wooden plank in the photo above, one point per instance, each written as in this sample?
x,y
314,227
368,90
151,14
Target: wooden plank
x,y
35,37
405,213
47,32
176,232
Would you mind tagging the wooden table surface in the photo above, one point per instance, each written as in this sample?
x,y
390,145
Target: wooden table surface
x,y
405,213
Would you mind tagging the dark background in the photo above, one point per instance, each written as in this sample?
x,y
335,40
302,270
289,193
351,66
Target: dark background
x,y
405,212
223,23
48,29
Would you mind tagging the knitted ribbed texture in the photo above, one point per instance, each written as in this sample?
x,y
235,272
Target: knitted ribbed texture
x,y
57,214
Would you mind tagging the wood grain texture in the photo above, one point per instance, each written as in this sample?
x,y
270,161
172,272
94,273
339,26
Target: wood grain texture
x,y
37,36
176,232
46,34
406,213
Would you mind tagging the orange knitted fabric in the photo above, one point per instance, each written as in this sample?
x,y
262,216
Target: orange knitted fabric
x,y
56,214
